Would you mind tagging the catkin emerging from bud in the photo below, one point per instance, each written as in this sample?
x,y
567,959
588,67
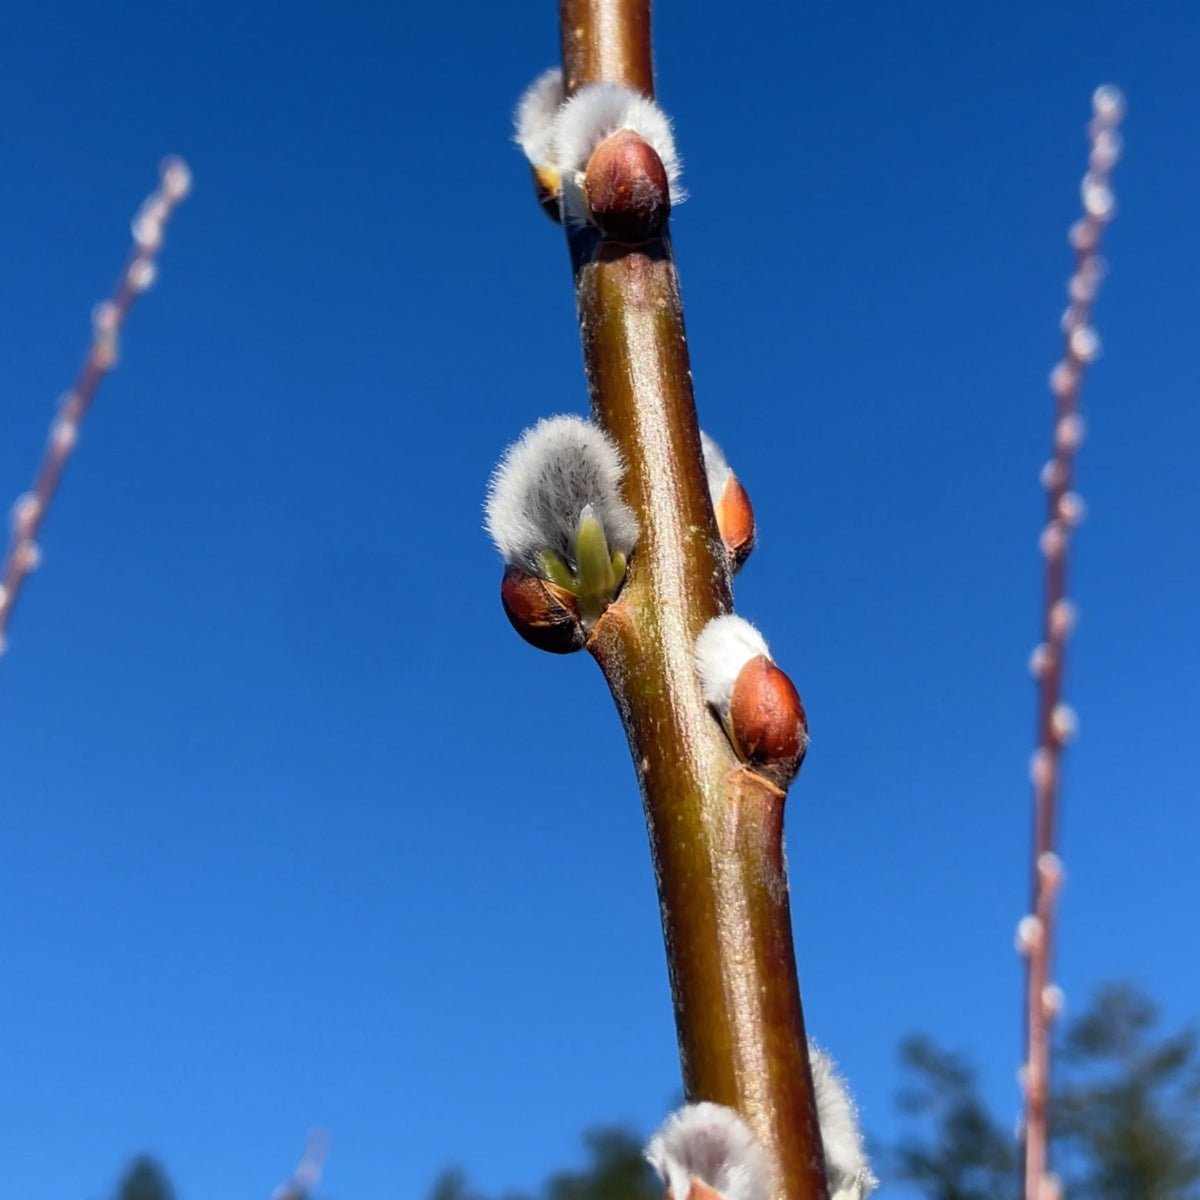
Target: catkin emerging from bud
x,y
592,116
846,1167
707,1149
710,1145
731,504
534,118
534,133
555,511
756,701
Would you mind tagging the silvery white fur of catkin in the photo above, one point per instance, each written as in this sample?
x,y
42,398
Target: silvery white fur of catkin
x,y
597,112
543,483
846,1167
725,645
716,469
535,115
715,1145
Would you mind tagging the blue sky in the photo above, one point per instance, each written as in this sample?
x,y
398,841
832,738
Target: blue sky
x,y
294,831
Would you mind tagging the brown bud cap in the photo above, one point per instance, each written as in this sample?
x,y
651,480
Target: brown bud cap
x,y
735,520
544,614
626,188
767,721
547,183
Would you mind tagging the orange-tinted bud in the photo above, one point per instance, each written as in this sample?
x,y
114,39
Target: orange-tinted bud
x,y
735,520
626,187
697,1190
547,183
767,721
544,614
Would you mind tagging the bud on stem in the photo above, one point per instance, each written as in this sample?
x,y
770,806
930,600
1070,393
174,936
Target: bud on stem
x,y
556,513
731,504
543,613
735,520
626,188
757,703
767,722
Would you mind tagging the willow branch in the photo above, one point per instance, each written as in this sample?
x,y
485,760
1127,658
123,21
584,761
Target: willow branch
x,y
716,827
29,512
606,41
1055,720
306,1178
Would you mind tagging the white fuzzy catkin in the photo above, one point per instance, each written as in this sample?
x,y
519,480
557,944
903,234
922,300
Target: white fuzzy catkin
x,y
543,483
596,112
725,645
846,1167
715,468
713,1144
534,117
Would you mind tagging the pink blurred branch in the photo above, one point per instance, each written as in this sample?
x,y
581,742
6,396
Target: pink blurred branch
x,y
29,511
1056,721
306,1177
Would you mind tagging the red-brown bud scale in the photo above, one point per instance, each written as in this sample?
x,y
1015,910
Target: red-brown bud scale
x,y
767,720
544,614
626,188
735,520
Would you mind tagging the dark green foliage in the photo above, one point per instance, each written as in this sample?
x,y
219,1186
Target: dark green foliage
x,y
452,1184
1125,1113
970,1156
144,1179
615,1171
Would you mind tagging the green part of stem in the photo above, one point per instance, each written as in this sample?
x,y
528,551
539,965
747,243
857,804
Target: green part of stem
x,y
716,829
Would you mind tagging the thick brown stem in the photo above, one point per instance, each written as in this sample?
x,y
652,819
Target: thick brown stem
x,y
606,41
716,828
